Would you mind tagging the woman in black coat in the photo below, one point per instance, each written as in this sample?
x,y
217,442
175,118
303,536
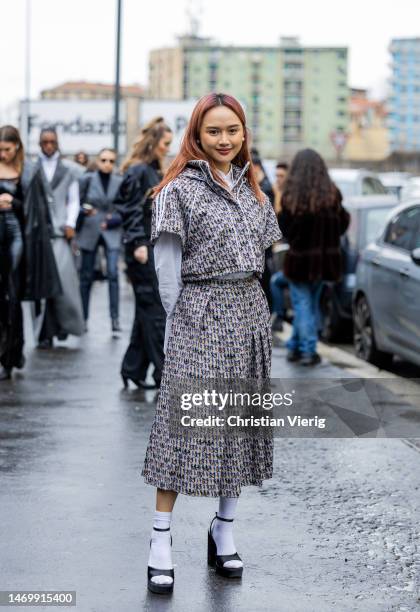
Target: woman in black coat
x,y
312,220
142,172
27,264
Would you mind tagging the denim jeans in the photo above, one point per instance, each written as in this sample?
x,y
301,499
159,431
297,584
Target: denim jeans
x,y
87,271
278,284
305,301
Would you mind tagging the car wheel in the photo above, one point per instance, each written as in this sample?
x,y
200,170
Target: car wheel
x,y
331,322
364,338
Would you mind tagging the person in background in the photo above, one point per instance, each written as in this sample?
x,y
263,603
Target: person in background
x,y
267,188
281,176
312,220
262,178
62,315
27,264
82,159
143,170
100,224
278,282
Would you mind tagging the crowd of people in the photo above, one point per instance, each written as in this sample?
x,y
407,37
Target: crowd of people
x,y
197,240
49,206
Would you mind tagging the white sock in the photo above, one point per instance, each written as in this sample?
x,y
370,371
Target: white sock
x,y
222,531
160,556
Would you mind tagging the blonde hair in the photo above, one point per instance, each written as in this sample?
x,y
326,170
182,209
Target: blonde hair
x,y
144,147
8,133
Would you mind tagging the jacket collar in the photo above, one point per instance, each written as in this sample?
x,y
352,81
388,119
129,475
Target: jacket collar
x,y
113,185
199,169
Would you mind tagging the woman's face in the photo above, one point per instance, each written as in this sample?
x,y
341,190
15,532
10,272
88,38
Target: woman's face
x,y
106,161
8,151
163,146
221,136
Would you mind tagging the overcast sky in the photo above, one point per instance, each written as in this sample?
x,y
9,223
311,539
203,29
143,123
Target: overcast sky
x,y
74,39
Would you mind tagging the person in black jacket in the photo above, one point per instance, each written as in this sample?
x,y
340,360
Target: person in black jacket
x,y
27,264
142,172
312,220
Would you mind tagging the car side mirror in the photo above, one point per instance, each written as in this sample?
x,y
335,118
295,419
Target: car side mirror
x,y
415,256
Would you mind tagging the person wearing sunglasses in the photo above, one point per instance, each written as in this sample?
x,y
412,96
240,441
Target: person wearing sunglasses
x,y
100,224
61,315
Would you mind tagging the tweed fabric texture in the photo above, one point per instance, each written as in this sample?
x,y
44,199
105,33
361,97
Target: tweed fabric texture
x,y
220,329
221,231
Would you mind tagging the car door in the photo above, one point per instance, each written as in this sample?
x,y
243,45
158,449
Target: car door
x,y
388,263
408,308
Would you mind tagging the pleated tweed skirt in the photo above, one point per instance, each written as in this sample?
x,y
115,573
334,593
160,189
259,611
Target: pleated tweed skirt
x,y
221,329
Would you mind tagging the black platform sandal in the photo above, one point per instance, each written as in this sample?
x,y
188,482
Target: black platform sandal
x,y
153,571
218,561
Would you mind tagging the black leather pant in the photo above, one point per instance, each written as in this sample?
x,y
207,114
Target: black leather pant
x,y
148,332
11,319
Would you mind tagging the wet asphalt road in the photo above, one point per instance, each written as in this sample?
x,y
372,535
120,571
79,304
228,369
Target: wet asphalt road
x,y
336,529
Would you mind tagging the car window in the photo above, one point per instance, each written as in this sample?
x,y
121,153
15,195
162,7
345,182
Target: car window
x,y
347,188
371,186
402,229
416,243
375,219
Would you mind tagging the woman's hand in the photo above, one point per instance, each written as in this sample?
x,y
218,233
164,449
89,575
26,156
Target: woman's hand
x,y
141,254
5,201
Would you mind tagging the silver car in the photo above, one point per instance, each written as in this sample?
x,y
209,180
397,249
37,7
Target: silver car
x,y
352,182
386,300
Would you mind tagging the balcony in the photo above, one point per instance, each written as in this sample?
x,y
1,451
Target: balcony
x,y
293,102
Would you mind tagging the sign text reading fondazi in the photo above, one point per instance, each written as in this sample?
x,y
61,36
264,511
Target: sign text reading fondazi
x,y
77,126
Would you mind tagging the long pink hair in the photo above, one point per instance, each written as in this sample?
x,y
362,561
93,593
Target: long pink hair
x,y
190,149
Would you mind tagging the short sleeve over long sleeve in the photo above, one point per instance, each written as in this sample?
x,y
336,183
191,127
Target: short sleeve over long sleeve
x,y
272,231
168,214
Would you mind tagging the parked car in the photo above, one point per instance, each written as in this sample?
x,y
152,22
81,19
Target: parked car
x,y
386,301
411,189
357,182
368,218
394,181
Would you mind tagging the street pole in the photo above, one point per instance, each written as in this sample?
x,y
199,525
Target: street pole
x,y
117,92
26,104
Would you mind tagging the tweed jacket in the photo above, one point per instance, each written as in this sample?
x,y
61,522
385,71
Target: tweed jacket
x,y
221,231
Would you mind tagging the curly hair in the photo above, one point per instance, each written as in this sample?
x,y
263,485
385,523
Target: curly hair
x,y
308,186
144,147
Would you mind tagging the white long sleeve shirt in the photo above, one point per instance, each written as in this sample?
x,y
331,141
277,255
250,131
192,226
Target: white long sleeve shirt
x,y
168,258
49,165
